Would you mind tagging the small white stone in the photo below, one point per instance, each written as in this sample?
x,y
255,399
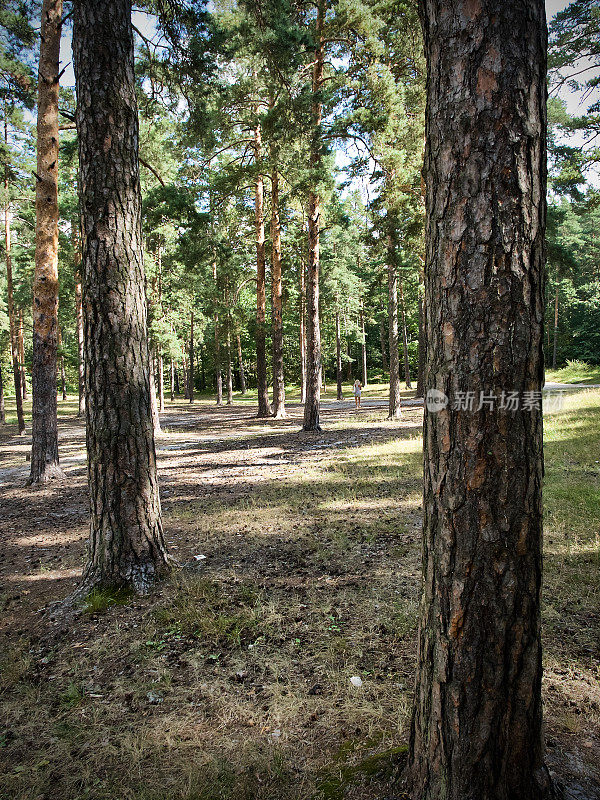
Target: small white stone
x,y
356,681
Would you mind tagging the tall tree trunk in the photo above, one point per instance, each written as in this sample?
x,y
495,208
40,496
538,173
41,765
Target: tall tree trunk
x,y
261,291
555,343
349,361
80,349
395,405
184,373
63,376
21,337
241,363
191,361
218,373
14,342
313,328
277,298
302,333
421,356
404,337
153,401
338,350
127,546
477,722
229,372
176,379
44,427
382,335
363,346
2,407
161,383
172,386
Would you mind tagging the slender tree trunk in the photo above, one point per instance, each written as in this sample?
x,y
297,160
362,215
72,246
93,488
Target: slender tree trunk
x,y
476,731
161,383
349,377
363,346
127,546
44,428
2,407
63,376
191,361
554,346
277,297
14,343
241,363
338,349
21,336
154,402
404,337
422,346
384,359
261,292
184,372
302,334
313,329
218,373
172,386
395,406
229,372
176,379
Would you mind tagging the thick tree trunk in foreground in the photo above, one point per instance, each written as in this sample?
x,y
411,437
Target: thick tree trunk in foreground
x,y
277,300
191,363
313,328
338,353
476,731
261,290
404,338
14,344
44,430
555,343
395,406
421,354
127,546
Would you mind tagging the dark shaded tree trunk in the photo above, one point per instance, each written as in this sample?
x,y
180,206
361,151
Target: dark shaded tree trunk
x,y
395,403
277,300
172,387
404,338
21,343
241,363
191,361
363,347
313,328
184,374
161,383
261,290
302,333
127,546
421,354
229,372
476,731
2,407
382,335
44,427
176,380
338,352
14,340
555,343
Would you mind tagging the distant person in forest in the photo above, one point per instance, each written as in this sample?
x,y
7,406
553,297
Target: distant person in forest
x,y
357,393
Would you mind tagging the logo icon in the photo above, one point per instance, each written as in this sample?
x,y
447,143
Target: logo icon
x,y
435,401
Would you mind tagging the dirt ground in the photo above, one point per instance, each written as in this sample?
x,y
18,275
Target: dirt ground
x,y
297,578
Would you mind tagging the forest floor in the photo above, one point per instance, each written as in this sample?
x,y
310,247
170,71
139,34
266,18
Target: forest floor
x,y
299,571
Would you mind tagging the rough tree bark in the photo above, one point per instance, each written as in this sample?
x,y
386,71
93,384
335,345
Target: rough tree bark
x,y
127,546
277,298
338,353
395,405
477,722
44,428
261,291
313,328
14,343
404,337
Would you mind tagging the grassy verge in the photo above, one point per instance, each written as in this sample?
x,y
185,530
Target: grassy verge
x,y
575,372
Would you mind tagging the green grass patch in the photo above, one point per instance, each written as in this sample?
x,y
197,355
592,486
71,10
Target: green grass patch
x,y
575,372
